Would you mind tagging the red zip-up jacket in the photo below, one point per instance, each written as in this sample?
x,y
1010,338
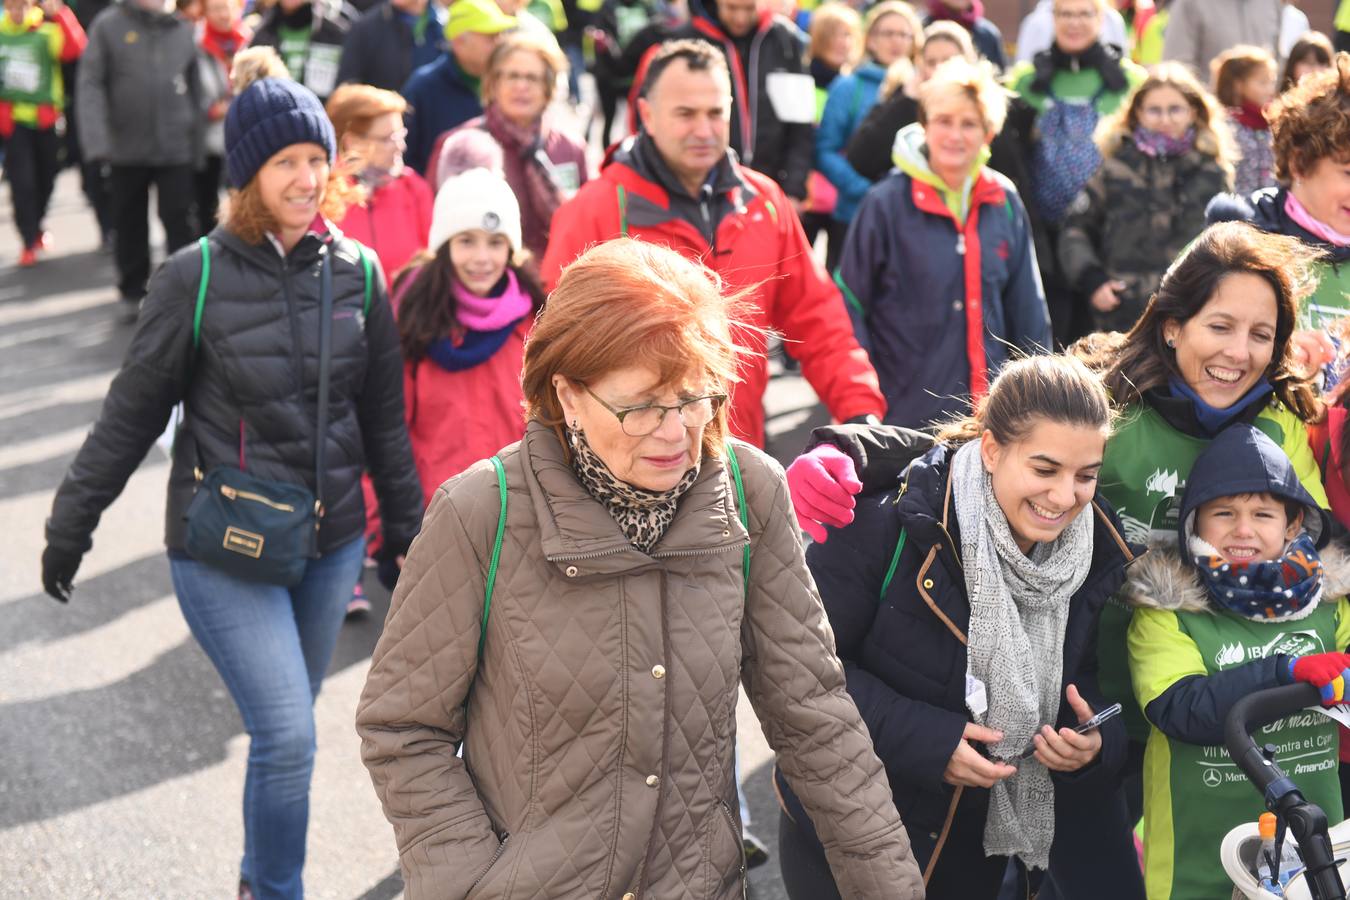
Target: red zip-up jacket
x,y
394,221
758,244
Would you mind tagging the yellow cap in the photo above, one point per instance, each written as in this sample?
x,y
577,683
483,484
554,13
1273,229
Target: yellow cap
x,y
1266,825
478,16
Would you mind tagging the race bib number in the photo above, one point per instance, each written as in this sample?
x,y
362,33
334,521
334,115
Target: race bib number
x,y
21,75
793,97
321,69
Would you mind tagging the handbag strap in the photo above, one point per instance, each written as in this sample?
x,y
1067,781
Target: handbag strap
x,y
735,466
325,363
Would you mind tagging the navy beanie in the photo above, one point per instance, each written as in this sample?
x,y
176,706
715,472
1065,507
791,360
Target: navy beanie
x,y
269,116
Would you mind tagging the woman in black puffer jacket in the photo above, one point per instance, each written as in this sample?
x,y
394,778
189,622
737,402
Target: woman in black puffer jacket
x,y
249,380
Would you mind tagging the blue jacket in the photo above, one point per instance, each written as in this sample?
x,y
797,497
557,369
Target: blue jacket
x,y
440,96
847,102
938,306
904,651
382,48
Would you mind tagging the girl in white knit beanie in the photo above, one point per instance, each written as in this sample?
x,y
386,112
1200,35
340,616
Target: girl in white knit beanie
x,y
464,308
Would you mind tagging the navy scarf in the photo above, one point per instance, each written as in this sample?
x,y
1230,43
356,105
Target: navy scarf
x,y
1214,420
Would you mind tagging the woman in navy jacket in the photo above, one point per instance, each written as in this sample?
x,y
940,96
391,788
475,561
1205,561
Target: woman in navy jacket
x,y
938,268
895,589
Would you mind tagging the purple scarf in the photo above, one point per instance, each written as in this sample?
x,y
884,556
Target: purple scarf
x,y
1158,145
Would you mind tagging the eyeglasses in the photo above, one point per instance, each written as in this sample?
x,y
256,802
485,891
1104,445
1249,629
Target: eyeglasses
x,y
641,421
1075,15
529,78
1169,112
397,138
893,34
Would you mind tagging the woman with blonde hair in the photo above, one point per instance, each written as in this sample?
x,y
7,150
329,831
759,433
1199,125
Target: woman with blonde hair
x,y
937,328
275,334
836,46
892,32
581,611
543,162
1166,152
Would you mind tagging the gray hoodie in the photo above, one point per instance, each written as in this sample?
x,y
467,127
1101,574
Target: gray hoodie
x,y
138,100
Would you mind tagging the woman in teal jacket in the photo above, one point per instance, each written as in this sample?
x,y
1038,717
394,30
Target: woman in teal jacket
x,y
893,32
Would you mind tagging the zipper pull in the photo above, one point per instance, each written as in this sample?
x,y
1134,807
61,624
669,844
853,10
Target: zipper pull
x,y
961,243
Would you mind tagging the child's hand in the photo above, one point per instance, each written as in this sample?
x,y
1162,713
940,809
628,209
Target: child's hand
x,y
1326,671
1066,750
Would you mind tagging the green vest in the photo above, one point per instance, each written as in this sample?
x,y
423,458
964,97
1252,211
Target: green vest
x,y
1331,301
27,70
1194,795
1143,476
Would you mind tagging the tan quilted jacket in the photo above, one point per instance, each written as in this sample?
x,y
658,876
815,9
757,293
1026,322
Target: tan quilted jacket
x,y
601,723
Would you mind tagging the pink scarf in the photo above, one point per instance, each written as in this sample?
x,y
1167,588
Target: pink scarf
x,y
1299,213
492,313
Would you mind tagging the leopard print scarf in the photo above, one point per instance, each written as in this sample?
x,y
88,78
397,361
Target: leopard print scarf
x,y
643,515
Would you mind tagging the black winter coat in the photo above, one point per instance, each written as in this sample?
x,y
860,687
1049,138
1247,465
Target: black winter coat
x,y
250,392
381,50
904,654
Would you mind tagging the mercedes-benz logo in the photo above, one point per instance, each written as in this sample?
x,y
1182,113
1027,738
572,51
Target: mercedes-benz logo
x,y
1213,778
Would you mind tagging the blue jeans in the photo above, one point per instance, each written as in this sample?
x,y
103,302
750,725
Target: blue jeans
x,y
271,646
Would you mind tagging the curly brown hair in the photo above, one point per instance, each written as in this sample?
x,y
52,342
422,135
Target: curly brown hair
x,y
249,218
1145,362
1312,120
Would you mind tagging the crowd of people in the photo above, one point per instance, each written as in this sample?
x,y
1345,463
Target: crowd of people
x,y
1079,312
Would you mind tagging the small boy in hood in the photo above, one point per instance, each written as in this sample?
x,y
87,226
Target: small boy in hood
x,y
1250,600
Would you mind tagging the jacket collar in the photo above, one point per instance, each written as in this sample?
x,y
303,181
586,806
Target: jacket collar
x,y
576,531
928,513
264,255
1163,580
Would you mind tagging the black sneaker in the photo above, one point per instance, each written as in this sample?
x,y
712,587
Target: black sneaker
x,y
245,891
756,854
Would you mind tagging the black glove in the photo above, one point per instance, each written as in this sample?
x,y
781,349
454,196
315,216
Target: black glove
x,y
387,571
58,571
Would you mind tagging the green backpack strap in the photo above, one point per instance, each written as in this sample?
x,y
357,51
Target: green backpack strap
x,y
205,246
366,267
895,562
735,466
623,211
496,552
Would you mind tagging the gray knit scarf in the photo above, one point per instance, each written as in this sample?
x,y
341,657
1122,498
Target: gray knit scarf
x,y
643,515
1019,606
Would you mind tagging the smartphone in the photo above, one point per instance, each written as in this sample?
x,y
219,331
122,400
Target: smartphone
x,y
1091,724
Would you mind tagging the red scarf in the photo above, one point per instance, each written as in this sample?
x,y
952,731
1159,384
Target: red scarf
x,y
223,45
1250,116
939,11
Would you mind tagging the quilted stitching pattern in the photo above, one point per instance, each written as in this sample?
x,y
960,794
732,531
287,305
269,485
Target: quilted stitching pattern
x,y
607,777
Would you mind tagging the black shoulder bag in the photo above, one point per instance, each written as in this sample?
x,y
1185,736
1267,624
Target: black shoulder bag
x,y
253,528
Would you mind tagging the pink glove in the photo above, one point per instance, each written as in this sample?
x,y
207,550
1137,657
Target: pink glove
x,y
822,483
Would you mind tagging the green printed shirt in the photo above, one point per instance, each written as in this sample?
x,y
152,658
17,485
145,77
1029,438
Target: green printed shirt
x,y
1194,795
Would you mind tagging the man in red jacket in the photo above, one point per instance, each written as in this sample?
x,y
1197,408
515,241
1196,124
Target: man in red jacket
x,y
675,183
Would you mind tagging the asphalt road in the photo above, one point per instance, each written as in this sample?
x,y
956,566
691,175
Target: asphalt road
x,y
121,755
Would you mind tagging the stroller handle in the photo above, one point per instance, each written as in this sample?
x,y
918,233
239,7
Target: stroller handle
x,y
1255,710
1306,820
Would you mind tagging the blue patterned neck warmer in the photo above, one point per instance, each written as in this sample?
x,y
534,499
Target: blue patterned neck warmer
x,y
1272,591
